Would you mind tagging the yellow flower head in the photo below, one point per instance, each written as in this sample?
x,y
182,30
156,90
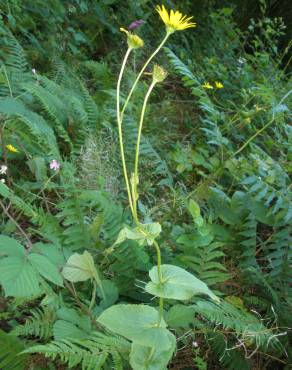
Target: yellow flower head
x,y
174,20
207,85
218,85
134,41
11,148
159,74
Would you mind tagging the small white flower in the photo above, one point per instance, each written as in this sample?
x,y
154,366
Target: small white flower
x,y
3,181
3,170
195,344
241,60
34,71
54,165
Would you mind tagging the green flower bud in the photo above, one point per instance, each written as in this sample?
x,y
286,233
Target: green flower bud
x,y
159,74
134,41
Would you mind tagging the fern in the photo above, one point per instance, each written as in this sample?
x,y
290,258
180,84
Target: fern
x,y
247,327
39,324
98,352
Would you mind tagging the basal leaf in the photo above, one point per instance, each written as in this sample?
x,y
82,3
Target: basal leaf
x,y
138,323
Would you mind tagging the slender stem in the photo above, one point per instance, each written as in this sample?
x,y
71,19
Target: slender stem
x,y
29,243
93,296
136,179
119,121
141,72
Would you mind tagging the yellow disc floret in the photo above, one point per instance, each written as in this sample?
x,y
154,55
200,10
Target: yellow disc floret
x,y
174,20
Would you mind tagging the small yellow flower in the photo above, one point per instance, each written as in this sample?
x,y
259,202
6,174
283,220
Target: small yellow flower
x,y
159,74
11,148
174,20
207,85
134,41
218,85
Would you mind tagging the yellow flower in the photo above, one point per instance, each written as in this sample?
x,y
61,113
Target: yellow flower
x,y
174,21
207,85
218,85
11,148
134,41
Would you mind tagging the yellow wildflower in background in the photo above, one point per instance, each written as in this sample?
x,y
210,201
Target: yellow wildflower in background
x,y
11,148
218,85
174,20
134,41
207,85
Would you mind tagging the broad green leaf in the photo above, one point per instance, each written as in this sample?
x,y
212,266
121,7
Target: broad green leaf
x,y
18,277
71,324
52,251
45,268
152,358
80,267
10,247
11,357
138,323
180,316
177,283
109,295
145,233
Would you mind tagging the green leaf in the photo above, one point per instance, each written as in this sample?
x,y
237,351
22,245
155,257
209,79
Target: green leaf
x,y
80,267
144,233
180,316
18,277
109,294
10,247
138,323
71,324
177,283
45,268
11,357
152,358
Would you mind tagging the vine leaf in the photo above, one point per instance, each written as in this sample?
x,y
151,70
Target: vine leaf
x,y
144,233
80,267
177,283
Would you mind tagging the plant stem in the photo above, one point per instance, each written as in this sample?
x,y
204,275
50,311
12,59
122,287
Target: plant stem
x,y
136,178
119,121
141,72
93,296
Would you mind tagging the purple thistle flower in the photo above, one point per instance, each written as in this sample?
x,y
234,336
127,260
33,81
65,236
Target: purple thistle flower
x,y
135,24
54,165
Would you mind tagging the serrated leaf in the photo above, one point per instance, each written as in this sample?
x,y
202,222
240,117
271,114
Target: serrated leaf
x,y
18,277
180,316
45,268
177,283
10,247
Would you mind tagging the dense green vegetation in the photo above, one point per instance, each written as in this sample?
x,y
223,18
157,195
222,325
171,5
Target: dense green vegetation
x,y
187,267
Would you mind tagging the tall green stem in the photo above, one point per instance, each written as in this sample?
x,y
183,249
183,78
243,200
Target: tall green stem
x,y
119,121
136,178
141,72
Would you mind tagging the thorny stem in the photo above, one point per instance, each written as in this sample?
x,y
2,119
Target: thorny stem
x,y
136,178
141,72
119,121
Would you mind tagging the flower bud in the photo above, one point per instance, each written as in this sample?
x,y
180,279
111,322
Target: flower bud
x,y
134,41
159,74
